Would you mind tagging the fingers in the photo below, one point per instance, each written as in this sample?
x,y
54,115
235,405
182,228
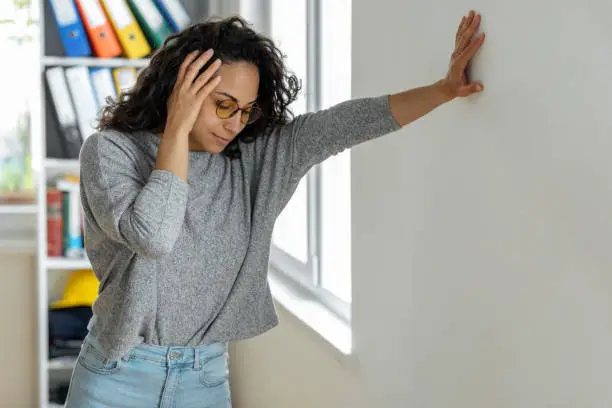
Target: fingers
x,y
465,22
186,62
208,88
203,78
470,89
470,27
469,32
459,30
195,67
470,17
467,54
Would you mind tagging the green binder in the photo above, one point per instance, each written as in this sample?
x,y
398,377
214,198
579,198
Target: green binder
x,y
151,21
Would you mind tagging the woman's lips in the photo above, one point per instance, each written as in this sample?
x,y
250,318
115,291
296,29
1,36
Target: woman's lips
x,y
221,140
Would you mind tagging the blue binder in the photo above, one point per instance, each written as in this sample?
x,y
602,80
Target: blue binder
x,y
70,27
174,13
103,85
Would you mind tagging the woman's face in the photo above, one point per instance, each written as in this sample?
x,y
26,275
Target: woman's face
x,y
239,84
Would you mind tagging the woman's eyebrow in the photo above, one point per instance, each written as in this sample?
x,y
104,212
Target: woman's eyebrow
x,y
233,98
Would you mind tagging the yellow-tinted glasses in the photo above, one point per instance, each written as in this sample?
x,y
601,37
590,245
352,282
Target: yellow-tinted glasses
x,y
227,108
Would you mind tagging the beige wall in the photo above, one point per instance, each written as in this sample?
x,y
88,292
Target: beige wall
x,y
18,331
287,368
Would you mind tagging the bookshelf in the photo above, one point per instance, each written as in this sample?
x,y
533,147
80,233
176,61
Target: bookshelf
x,y
18,208
58,263
61,164
50,61
44,128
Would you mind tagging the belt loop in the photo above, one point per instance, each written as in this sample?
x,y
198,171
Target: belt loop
x,y
196,359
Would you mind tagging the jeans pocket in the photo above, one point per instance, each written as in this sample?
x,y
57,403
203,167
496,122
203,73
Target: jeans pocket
x,y
93,360
215,370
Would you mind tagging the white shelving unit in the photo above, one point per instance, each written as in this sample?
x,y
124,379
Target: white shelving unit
x,y
61,164
52,54
61,364
94,62
18,209
54,263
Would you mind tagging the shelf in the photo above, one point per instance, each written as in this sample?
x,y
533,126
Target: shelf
x,y
62,164
61,363
49,61
67,263
18,209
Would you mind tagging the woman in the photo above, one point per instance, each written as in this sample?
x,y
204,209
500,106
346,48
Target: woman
x,y
181,188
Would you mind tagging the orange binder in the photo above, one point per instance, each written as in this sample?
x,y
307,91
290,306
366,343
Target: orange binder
x,y
102,38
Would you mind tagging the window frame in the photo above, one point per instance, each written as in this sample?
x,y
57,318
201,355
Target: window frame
x,y
308,276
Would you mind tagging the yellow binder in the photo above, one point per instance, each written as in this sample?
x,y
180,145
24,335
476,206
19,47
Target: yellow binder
x,y
125,78
131,37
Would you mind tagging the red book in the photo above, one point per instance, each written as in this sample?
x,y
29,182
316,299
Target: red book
x,y
55,228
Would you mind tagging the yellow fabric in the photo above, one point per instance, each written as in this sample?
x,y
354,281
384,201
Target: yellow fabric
x,y
81,290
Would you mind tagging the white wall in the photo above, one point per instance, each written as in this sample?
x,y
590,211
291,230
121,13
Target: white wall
x,y
480,233
492,221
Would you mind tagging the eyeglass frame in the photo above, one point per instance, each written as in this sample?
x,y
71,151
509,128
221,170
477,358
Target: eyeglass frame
x,y
248,110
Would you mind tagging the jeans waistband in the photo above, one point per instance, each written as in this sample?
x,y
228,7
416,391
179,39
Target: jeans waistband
x,y
171,355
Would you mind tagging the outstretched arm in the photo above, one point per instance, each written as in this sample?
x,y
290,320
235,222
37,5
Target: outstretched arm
x,y
313,137
410,105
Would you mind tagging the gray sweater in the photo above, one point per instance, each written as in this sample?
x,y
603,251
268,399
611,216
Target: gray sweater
x,y
185,263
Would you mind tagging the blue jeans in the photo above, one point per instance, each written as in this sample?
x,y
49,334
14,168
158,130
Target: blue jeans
x,y
151,377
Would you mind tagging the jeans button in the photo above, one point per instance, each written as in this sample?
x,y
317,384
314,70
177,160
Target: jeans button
x,y
175,354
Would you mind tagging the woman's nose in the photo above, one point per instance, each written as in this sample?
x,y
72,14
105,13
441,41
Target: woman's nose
x,y
234,123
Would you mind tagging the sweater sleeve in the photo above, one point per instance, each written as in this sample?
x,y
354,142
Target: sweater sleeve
x,y
145,215
314,137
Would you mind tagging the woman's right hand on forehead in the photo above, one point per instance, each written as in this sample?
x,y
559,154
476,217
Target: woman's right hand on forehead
x,y
190,90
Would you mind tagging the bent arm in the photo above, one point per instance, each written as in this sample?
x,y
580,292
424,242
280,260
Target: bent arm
x,y
144,215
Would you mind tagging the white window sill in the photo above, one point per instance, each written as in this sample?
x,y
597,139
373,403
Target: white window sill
x,y
322,325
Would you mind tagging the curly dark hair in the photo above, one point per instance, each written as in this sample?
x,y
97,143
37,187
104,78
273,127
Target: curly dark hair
x,y
144,107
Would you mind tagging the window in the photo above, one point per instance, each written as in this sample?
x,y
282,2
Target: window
x,y
288,27
312,237
18,42
335,55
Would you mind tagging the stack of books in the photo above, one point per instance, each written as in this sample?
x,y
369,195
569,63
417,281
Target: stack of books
x,y
64,218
